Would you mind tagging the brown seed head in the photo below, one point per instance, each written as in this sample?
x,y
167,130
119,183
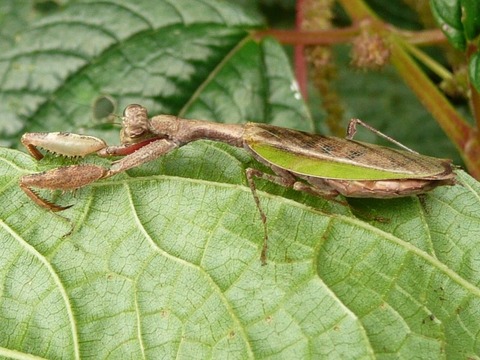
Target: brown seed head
x,y
370,51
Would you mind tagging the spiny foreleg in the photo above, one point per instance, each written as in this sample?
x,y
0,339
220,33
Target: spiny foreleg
x,y
77,176
64,178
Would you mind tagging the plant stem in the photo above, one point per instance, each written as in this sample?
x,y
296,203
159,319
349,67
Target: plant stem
x,y
421,37
301,73
426,60
301,37
358,10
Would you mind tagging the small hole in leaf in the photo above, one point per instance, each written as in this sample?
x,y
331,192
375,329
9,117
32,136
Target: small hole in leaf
x,y
103,107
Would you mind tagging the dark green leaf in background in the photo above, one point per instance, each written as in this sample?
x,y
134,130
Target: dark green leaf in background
x,y
474,70
471,18
458,19
448,14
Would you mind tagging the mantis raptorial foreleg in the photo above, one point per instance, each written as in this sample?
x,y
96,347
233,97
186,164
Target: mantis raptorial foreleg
x,y
77,176
147,153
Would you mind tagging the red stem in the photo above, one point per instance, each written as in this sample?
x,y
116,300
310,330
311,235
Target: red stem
x,y
301,72
300,37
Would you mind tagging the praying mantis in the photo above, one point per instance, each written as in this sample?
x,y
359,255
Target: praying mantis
x,y
324,166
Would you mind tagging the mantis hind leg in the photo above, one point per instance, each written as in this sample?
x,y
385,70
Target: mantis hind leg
x,y
352,130
286,180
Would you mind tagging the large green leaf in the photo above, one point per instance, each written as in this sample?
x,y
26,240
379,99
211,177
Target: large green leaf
x,y
158,264
163,261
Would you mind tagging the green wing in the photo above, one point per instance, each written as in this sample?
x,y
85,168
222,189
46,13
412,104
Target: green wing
x,y
336,158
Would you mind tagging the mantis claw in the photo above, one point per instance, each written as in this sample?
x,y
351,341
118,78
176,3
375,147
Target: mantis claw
x,y
62,143
64,178
73,177
37,199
